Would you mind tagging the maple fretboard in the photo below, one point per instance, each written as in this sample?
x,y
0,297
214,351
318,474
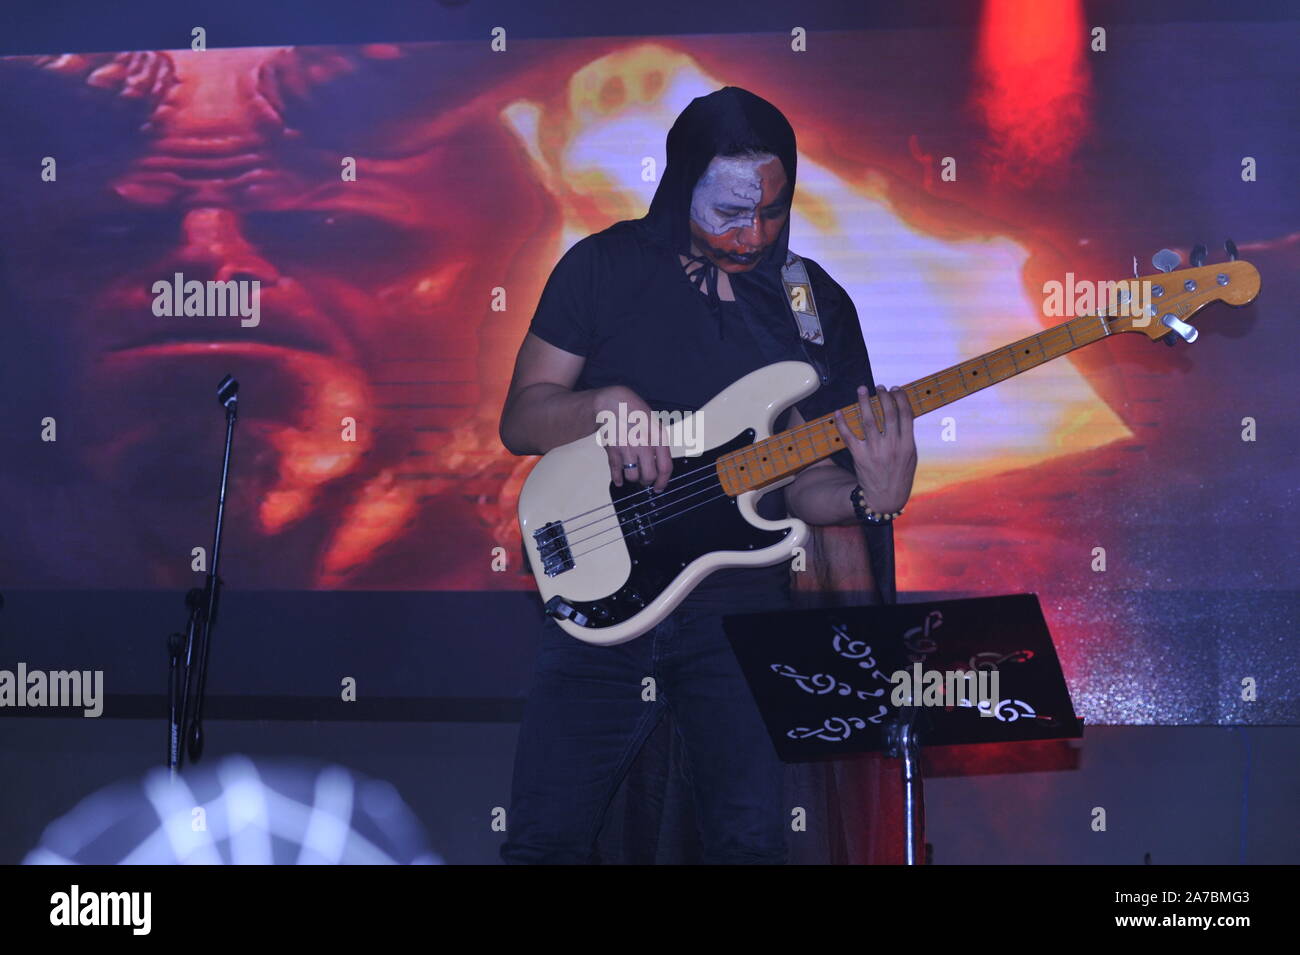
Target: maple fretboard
x,y
789,452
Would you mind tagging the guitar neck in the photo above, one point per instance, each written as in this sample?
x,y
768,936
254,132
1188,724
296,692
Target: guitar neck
x,y
768,461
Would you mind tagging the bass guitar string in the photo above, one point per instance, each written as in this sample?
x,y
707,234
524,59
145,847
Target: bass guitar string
x,y
624,504
800,434
654,524
653,521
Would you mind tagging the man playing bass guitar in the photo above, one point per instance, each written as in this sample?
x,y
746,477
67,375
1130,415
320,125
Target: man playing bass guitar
x,y
660,314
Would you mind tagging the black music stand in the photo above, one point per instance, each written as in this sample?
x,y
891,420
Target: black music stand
x,y
822,680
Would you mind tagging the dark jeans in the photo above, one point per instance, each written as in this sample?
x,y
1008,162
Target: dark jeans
x,y
589,711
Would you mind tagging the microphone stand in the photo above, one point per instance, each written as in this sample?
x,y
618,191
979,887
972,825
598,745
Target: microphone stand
x,y
180,651
186,718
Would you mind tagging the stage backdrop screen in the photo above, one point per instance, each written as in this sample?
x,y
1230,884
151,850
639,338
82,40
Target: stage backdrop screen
x,y
400,207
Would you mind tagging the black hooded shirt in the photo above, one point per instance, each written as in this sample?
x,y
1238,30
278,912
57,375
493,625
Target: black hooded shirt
x,y
622,300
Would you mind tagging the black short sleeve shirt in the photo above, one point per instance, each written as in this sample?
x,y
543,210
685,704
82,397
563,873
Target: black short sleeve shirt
x,y
629,308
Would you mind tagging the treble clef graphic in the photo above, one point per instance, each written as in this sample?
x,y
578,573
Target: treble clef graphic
x,y
834,730
821,683
858,651
817,683
846,646
1008,711
1005,711
989,660
917,639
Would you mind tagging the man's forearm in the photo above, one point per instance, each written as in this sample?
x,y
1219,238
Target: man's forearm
x,y
544,416
820,496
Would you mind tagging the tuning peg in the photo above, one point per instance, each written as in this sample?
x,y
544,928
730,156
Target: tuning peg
x,y
1198,255
1166,260
1187,333
1231,248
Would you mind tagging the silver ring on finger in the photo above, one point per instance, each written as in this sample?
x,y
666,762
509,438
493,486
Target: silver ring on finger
x,y
631,466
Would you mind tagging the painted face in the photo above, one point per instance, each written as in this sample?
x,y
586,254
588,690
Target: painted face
x,y
738,208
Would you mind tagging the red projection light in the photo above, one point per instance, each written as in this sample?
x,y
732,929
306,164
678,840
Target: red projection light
x,y
1033,86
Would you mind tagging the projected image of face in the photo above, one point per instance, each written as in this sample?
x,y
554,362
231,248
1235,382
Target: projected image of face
x,y
319,185
738,209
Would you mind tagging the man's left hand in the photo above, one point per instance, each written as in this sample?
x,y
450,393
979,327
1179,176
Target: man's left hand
x,y
885,462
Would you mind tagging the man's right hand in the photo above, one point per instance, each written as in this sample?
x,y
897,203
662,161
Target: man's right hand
x,y
542,412
648,464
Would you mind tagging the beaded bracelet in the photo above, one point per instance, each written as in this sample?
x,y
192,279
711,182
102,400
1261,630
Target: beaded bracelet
x,y
865,513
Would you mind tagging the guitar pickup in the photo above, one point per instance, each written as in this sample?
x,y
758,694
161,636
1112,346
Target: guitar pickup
x,y
637,522
553,548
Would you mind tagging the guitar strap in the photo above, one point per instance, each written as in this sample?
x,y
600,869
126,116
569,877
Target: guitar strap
x,y
799,293
803,306
879,539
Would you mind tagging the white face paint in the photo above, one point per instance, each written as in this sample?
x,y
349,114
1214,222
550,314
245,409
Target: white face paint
x,y
728,194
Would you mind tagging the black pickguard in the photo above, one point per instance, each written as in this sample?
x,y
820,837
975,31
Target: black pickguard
x,y
663,536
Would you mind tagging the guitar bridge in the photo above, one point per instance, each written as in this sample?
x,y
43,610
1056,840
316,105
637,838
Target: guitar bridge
x,y
553,548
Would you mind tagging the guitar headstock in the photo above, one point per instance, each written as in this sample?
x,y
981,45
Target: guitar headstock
x,y
1161,304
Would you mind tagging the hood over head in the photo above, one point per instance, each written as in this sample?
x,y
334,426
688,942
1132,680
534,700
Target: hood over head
x,y
727,122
